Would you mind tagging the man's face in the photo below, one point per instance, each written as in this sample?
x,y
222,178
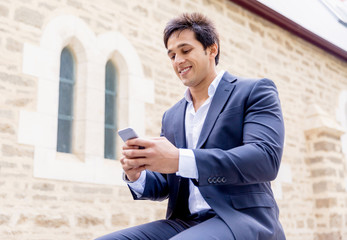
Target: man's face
x,y
190,61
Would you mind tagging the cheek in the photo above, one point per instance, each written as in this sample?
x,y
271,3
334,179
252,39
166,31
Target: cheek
x,y
174,66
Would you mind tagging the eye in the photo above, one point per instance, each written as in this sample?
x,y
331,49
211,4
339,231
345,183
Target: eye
x,y
172,57
185,51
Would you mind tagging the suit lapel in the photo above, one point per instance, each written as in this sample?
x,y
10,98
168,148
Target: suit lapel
x,y
180,184
220,98
179,125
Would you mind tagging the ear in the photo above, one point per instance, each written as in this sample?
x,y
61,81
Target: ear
x,y
213,50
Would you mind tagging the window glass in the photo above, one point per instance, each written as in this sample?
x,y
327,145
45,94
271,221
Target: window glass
x,y
110,111
66,94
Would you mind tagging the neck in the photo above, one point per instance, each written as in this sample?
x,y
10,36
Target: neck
x,y
200,92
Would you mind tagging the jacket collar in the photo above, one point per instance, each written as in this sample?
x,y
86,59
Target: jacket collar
x,y
221,96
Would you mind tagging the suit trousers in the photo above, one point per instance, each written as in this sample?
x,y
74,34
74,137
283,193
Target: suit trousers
x,y
200,226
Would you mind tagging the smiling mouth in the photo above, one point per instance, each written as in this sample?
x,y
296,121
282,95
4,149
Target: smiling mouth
x,y
185,70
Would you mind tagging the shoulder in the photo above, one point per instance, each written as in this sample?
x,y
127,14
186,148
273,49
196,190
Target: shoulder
x,y
177,105
173,109
243,83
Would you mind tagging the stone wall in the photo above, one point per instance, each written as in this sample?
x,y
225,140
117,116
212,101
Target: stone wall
x,y
312,198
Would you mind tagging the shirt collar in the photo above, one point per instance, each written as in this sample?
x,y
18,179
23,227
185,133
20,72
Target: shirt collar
x,y
211,89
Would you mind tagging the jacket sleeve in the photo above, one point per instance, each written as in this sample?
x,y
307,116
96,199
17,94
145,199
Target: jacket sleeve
x,y
258,158
156,186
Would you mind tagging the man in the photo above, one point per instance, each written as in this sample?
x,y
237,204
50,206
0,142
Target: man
x,y
221,146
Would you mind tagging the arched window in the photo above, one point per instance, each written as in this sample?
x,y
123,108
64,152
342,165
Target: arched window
x,y
87,133
66,101
110,111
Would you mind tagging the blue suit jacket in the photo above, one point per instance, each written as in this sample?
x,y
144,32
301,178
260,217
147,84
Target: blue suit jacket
x,y
237,155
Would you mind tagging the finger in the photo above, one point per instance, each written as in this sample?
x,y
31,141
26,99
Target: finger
x,y
125,146
139,142
125,166
138,169
158,138
134,153
135,163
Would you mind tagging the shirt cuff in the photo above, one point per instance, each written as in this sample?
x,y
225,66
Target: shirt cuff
x,y
139,185
187,164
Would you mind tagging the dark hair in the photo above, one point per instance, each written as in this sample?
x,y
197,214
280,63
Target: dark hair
x,y
203,28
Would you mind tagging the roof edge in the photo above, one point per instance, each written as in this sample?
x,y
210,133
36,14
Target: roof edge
x,y
291,26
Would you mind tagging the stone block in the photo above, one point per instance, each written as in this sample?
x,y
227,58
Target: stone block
x,y
51,221
84,235
300,224
19,102
335,160
214,4
16,80
4,11
4,164
6,128
75,4
140,10
6,113
120,219
92,190
326,202
38,197
288,45
160,213
310,223
313,160
328,135
86,221
320,187
22,219
335,220
141,219
29,16
4,219
13,45
11,151
327,236
324,146
323,172
239,20
43,186
273,59
256,29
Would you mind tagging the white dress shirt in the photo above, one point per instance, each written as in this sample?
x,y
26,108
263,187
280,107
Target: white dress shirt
x,y
187,163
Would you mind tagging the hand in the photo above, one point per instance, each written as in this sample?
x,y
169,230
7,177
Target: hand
x,y
158,155
132,173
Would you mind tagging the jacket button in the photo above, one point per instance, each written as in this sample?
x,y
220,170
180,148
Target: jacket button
x,y
224,180
219,180
209,180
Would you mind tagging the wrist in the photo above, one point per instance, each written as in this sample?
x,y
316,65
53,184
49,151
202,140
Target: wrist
x,y
126,179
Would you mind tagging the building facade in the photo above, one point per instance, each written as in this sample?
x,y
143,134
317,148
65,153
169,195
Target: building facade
x,y
79,194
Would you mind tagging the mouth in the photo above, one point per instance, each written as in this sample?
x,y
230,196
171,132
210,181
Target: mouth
x,y
184,70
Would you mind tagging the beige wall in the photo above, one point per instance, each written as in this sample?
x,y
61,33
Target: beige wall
x,y
310,189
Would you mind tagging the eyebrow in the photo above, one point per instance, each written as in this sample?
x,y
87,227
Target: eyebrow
x,y
179,46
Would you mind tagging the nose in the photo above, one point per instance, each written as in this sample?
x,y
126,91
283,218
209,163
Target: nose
x,y
179,59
